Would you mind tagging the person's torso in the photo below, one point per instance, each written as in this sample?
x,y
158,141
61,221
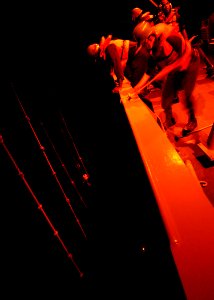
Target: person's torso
x,y
168,47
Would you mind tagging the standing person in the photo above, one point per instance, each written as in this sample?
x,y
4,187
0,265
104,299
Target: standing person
x,y
205,35
170,15
178,64
211,26
141,55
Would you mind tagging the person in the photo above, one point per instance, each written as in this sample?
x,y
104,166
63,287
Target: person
x,y
170,15
121,58
211,26
139,16
178,64
205,58
204,35
203,47
114,54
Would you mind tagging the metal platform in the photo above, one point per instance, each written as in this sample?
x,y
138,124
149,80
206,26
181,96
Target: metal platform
x,y
181,173
194,147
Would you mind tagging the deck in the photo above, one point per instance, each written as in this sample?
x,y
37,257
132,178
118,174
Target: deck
x,y
194,147
181,172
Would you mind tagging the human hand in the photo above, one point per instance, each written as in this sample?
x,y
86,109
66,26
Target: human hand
x,y
116,89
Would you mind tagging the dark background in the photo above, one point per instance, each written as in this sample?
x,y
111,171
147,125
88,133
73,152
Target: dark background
x,y
47,78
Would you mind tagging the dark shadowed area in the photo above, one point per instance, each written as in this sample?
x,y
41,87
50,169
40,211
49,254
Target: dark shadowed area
x,y
60,121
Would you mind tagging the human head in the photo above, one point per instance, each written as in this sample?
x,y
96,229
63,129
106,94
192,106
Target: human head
x,y
136,12
148,34
161,16
165,6
142,31
93,50
164,2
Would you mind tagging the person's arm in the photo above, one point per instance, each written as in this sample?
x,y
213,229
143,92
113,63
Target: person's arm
x,y
142,83
118,70
180,64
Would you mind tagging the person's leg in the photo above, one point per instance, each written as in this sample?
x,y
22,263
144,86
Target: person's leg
x,y
189,82
168,94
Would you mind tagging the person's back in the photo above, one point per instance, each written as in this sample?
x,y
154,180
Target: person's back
x,y
119,58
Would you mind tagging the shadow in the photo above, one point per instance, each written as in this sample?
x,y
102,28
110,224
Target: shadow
x,y
205,161
147,102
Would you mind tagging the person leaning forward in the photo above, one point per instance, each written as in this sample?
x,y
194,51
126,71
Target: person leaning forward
x,y
118,55
178,64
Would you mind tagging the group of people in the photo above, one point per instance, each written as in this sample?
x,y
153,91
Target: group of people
x,y
160,52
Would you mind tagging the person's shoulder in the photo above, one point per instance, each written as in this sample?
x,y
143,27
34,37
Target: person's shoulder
x,y
163,28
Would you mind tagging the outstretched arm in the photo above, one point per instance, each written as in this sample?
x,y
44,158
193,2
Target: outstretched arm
x,y
180,64
142,83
